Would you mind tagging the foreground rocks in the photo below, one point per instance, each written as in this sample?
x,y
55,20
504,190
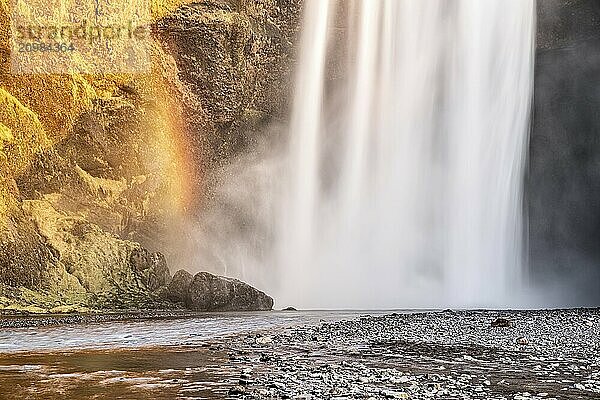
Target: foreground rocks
x,y
309,355
541,355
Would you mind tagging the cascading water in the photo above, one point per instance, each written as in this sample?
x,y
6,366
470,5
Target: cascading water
x,y
403,184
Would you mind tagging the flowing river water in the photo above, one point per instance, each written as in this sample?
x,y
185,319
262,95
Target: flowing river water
x,y
535,355
161,358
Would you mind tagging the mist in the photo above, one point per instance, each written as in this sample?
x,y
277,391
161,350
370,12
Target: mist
x,y
399,179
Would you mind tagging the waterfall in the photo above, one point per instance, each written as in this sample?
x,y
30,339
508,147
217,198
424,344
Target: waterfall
x,y
403,177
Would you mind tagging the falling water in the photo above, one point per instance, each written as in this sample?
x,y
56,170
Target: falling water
x,y
403,185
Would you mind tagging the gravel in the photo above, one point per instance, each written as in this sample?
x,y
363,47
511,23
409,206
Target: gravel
x,y
20,321
439,355
518,355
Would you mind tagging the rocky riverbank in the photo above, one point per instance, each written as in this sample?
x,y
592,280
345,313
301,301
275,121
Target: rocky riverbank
x,y
440,355
152,288
44,320
449,355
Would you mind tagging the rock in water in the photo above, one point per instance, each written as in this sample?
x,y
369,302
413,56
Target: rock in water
x,y
209,292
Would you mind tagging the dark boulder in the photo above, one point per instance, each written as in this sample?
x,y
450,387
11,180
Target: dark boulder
x,y
178,288
209,292
159,275
501,323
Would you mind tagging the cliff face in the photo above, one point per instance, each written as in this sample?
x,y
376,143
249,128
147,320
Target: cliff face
x,y
85,170
95,169
564,174
235,57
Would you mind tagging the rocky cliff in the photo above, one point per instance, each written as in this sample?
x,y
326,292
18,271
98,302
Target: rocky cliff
x,y
97,171
564,175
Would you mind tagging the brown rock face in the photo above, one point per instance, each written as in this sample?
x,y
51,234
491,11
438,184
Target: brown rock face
x,y
152,267
209,292
96,169
236,59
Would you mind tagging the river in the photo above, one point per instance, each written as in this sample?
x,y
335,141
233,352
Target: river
x,y
159,358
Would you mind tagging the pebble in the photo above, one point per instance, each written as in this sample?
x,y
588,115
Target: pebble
x,y
264,340
432,355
